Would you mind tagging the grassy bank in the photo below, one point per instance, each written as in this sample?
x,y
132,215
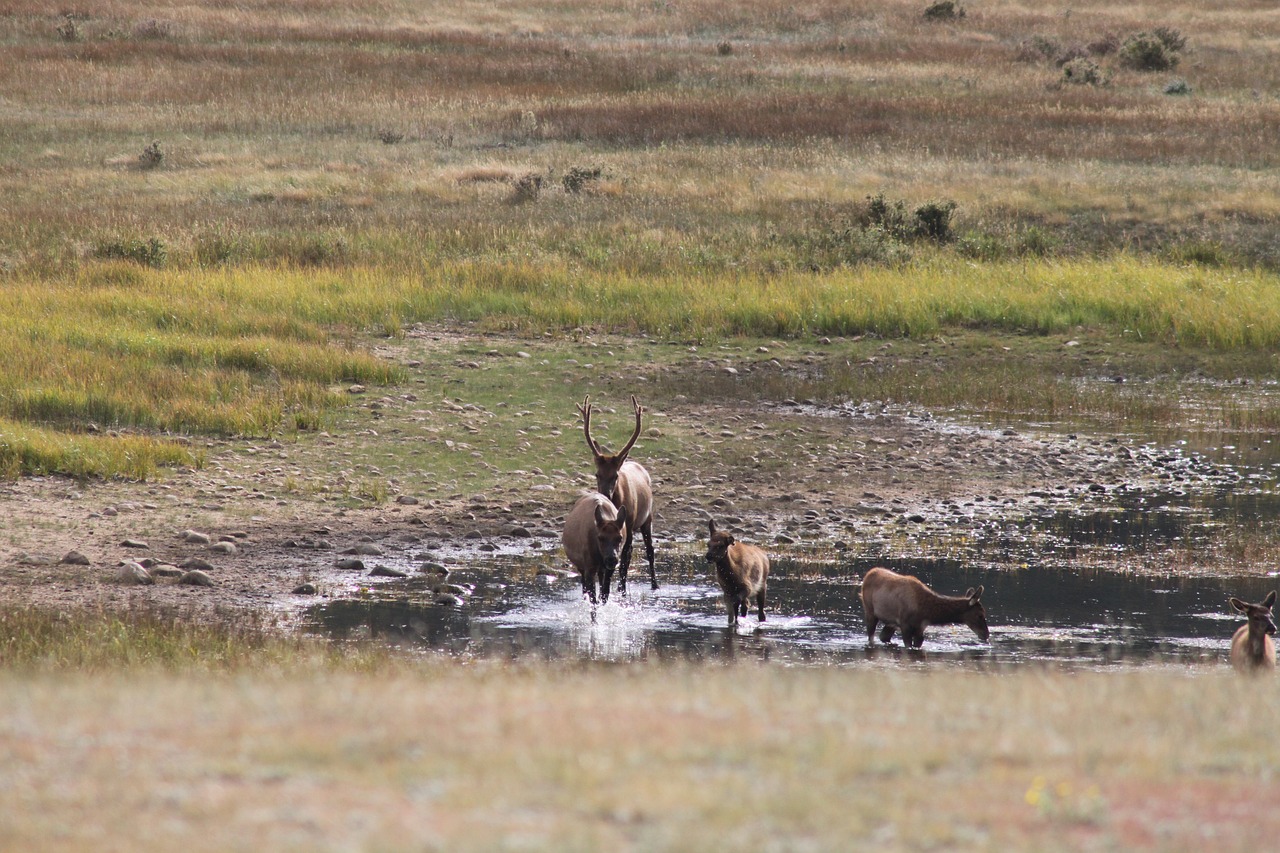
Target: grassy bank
x,y
444,755
260,351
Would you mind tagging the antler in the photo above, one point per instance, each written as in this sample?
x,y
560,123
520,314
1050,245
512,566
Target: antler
x,y
639,411
585,408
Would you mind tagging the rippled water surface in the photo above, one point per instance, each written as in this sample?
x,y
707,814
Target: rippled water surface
x,y
1036,615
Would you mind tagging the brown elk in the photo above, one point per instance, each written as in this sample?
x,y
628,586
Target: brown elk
x,y
626,483
593,532
741,570
1252,648
904,603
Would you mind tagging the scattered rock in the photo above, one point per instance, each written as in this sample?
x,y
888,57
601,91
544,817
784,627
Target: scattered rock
x,y
135,543
134,573
196,578
448,599
25,559
75,558
784,539
367,549
520,533
305,589
387,572
407,500
196,563
350,564
165,570
223,547
451,588
193,537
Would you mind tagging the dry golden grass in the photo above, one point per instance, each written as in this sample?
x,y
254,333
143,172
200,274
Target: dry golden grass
x,y
271,119
446,756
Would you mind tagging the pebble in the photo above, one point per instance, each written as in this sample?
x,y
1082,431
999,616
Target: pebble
x,y
196,578
75,558
193,537
407,500
305,589
350,563
223,547
134,543
196,563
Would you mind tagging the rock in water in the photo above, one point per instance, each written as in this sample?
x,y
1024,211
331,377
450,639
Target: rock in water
x,y
196,578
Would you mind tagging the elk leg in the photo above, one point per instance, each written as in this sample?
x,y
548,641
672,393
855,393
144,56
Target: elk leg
x,y
871,628
886,633
731,604
647,531
624,562
589,586
760,603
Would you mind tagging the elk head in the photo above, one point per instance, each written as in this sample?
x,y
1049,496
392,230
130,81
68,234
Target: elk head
x,y
610,532
718,543
607,464
1259,614
976,616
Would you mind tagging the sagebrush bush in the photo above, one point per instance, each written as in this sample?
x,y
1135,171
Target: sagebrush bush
x,y
933,220
1177,86
527,188
578,178
151,157
151,252
1147,51
944,10
1083,71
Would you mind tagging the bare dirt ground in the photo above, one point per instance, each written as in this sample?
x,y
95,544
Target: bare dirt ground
x,y
857,479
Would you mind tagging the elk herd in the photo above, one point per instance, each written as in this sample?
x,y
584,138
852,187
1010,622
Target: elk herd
x,y
599,535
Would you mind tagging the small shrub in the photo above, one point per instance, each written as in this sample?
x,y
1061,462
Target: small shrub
x,y
153,29
69,29
579,177
151,156
527,188
1038,49
390,137
933,220
1104,46
322,250
889,216
724,48
150,253
1177,86
944,10
1146,51
1172,39
1083,72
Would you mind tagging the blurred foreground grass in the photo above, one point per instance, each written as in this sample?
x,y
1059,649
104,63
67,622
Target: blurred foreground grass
x,y
232,740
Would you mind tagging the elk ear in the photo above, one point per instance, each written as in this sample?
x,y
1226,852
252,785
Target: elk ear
x,y
1239,605
1269,600
975,595
711,525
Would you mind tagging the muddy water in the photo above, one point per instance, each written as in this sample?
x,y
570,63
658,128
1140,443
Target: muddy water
x,y
1068,618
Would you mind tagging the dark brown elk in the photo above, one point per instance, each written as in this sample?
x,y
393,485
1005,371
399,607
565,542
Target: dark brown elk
x,y
1252,648
741,570
593,534
903,603
626,483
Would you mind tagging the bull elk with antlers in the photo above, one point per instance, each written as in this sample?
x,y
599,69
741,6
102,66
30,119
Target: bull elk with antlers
x,y
626,483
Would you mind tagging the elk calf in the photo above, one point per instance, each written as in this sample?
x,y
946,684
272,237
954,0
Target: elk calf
x,y
1252,648
593,533
902,602
742,572
626,483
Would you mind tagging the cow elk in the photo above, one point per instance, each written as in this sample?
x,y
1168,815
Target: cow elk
x,y
741,570
903,603
626,483
593,534
1252,648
